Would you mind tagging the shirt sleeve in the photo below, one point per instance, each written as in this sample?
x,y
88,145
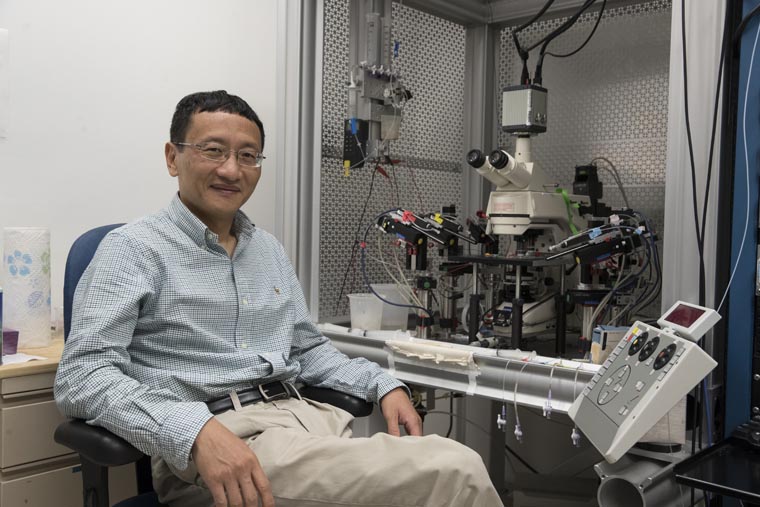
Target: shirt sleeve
x,y
322,365
91,384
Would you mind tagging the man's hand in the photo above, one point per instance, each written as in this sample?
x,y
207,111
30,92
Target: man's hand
x,y
398,410
230,469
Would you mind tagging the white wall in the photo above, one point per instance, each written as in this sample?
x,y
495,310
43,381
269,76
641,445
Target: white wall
x,y
93,86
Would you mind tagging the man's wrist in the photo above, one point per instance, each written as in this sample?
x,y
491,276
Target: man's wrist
x,y
388,383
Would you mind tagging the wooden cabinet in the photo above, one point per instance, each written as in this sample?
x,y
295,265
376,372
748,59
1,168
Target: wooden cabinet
x,y
35,471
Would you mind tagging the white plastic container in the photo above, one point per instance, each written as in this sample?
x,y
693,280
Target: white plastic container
x,y
366,311
393,317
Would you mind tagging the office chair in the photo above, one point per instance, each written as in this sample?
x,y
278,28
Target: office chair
x,y
100,449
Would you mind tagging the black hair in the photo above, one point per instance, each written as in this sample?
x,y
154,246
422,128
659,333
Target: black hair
x,y
209,102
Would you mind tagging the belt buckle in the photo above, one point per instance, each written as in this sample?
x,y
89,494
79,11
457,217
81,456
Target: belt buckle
x,y
279,396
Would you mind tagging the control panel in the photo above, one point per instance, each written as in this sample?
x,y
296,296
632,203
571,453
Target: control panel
x,y
648,372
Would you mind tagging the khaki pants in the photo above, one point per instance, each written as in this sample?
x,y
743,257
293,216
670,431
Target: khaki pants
x,y
305,450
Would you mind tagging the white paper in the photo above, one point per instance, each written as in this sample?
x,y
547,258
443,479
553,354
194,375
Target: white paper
x,y
5,88
26,284
20,358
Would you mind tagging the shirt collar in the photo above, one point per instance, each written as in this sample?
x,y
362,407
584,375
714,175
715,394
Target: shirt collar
x,y
198,231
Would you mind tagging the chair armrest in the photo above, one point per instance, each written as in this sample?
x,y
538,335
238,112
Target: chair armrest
x,y
96,444
351,404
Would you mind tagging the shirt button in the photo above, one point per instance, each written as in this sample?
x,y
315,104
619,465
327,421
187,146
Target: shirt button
x,y
245,301
245,345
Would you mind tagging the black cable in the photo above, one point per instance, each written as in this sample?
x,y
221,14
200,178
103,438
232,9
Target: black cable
x,y
652,263
451,414
538,303
697,426
525,77
356,240
723,48
694,415
695,206
520,459
538,75
596,25
395,181
564,26
647,264
534,18
744,22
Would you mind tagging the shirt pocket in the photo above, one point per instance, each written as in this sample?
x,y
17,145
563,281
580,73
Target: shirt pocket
x,y
270,317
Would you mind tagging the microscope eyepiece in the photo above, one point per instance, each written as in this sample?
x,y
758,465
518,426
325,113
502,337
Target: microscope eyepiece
x,y
499,159
476,158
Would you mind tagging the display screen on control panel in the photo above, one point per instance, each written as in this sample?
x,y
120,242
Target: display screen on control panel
x,y
684,315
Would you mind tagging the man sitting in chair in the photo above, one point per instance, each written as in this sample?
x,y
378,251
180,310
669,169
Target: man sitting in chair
x,y
180,317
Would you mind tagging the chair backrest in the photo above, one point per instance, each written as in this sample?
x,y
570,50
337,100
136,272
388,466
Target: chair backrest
x,y
79,258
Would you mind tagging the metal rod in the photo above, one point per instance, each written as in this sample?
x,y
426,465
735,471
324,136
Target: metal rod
x,y
561,330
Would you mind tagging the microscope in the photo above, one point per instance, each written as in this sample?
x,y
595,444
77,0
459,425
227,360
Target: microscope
x,y
532,211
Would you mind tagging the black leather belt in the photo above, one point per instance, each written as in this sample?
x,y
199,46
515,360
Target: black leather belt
x,y
264,392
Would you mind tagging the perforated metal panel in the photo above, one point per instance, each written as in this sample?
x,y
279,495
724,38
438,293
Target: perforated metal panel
x,y
610,99
431,62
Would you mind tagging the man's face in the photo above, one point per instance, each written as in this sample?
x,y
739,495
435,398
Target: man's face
x,y
214,191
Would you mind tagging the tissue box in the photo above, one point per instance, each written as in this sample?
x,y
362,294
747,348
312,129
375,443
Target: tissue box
x,y
10,341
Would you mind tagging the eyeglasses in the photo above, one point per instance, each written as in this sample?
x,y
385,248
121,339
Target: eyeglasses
x,y
220,153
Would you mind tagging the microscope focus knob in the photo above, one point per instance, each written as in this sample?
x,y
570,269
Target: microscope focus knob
x,y
476,158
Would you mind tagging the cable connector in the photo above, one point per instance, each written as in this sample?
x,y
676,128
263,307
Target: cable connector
x,y
548,407
501,419
548,402
575,436
518,433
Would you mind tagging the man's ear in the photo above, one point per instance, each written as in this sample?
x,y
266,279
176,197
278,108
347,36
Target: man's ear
x,y
170,152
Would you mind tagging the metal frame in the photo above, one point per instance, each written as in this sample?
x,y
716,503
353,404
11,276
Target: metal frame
x,y
741,312
299,77
482,48
495,12
496,378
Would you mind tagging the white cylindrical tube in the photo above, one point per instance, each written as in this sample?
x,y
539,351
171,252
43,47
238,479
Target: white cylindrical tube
x,y
523,150
492,175
26,284
518,173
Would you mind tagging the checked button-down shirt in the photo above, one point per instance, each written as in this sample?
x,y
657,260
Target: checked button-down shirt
x,y
165,320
